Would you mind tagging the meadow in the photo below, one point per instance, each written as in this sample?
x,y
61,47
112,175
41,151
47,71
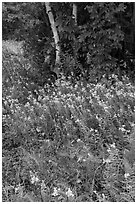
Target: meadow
x,y
71,143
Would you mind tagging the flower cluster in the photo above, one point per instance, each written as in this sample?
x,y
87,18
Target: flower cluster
x,y
68,136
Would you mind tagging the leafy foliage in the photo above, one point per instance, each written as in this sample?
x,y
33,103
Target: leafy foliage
x,y
98,44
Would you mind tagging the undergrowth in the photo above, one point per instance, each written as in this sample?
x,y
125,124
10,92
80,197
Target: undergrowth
x,y
74,142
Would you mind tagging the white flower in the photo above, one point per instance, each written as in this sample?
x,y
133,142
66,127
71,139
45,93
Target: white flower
x,y
122,129
69,193
106,160
77,121
126,175
55,192
34,178
108,150
113,145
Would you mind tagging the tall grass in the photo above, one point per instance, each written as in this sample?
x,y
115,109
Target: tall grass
x,y
74,143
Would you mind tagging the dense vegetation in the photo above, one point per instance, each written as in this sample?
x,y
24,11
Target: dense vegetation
x,y
68,127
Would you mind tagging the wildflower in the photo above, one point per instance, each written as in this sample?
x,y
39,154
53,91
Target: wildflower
x,y
122,129
77,121
126,175
34,178
113,145
19,189
69,193
106,160
55,192
39,98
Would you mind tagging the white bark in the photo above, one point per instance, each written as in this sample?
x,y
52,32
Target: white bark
x,y
74,12
54,30
74,16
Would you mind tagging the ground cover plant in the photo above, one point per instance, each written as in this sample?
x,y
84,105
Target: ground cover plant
x,y
75,143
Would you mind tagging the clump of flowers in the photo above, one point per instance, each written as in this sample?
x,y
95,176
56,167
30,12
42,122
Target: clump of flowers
x,y
72,134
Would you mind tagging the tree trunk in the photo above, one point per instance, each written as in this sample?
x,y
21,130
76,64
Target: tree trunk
x,y
55,35
74,16
74,12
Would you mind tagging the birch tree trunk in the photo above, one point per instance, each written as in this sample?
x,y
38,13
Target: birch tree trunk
x,y
55,35
74,12
74,16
